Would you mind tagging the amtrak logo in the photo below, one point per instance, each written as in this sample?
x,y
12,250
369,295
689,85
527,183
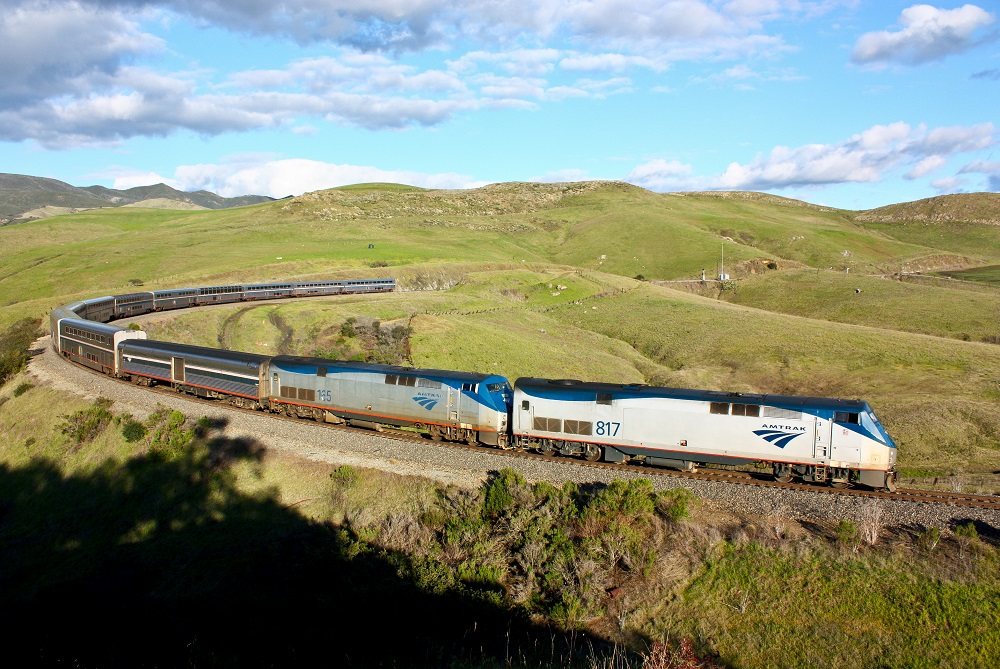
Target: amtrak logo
x,y
426,402
779,438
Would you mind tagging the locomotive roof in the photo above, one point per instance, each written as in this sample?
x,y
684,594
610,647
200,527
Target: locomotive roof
x,y
642,390
350,365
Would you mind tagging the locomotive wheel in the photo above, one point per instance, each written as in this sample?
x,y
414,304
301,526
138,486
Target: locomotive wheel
x,y
545,447
592,452
890,483
782,473
435,433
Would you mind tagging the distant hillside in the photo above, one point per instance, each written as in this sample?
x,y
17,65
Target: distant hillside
x,y
25,197
958,208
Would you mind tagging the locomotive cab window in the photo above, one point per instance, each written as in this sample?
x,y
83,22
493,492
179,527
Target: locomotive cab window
x,y
845,417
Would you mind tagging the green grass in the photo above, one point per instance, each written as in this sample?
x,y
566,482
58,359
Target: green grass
x,y
988,275
842,611
936,309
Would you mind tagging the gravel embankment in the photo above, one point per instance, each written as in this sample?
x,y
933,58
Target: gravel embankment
x,y
469,468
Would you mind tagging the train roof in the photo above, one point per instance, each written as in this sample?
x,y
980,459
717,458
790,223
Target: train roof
x,y
350,365
190,350
570,386
90,326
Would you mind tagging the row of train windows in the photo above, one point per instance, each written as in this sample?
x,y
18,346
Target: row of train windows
x,y
412,381
130,299
92,336
220,290
287,287
307,394
582,427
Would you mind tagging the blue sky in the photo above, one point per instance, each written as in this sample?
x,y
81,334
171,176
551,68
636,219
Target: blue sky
x,y
844,103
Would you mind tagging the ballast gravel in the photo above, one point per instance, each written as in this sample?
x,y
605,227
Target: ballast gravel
x,y
470,467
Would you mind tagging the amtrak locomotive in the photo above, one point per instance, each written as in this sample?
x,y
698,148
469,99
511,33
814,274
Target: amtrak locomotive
x,y
819,440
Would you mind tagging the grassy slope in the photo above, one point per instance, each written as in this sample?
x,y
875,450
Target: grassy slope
x,y
943,310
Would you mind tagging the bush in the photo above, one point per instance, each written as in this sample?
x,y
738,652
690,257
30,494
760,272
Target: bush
x,y
22,388
84,425
499,496
133,430
847,532
967,532
929,539
675,504
14,344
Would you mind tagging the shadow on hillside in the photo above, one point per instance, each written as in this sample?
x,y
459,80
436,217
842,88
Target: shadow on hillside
x,y
160,561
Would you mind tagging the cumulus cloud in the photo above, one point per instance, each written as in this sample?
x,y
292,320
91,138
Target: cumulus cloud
x,y
70,70
868,156
926,166
413,25
51,50
264,175
926,34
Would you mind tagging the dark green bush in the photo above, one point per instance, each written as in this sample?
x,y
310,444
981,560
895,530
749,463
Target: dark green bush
x,y
133,430
22,388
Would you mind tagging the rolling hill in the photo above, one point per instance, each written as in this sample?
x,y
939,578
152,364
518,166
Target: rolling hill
x,y
25,197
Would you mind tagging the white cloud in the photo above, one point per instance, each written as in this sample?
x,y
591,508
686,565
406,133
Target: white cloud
x,y
927,34
666,175
925,167
869,156
949,185
279,178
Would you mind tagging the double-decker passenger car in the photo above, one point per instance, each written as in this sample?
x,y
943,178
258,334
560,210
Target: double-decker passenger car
x,y
88,343
818,439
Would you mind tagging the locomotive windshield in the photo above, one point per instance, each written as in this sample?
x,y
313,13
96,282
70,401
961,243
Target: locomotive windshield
x,y
501,393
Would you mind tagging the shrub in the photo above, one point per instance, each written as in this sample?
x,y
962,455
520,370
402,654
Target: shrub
x,y
675,504
347,329
499,496
14,345
847,532
22,388
133,430
168,430
929,539
85,424
967,532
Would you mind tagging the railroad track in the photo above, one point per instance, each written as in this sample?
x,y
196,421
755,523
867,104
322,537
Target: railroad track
x,y
733,477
